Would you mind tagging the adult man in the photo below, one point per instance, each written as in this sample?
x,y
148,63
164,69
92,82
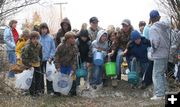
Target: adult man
x,y
94,28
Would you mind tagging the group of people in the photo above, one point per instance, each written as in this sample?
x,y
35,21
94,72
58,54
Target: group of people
x,y
146,50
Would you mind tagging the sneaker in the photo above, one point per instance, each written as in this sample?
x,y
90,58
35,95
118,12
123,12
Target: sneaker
x,y
52,94
142,86
157,98
94,86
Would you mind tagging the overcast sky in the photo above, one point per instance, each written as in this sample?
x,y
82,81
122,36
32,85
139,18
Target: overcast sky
x,y
79,11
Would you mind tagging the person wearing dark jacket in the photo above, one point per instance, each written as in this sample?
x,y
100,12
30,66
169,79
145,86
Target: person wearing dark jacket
x,y
137,47
84,44
65,27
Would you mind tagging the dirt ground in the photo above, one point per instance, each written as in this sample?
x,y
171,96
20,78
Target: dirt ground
x,y
122,96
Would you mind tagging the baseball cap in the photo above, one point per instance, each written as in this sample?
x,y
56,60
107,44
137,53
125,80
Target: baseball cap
x,y
93,20
154,14
126,22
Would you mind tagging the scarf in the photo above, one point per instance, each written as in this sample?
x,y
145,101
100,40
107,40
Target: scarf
x,y
15,35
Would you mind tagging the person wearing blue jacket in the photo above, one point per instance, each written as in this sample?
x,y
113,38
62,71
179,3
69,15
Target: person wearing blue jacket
x,y
48,51
138,46
10,43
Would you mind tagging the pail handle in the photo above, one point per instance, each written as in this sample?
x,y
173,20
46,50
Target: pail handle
x,y
79,61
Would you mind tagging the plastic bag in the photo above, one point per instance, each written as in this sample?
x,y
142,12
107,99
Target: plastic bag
x,y
50,70
62,83
24,79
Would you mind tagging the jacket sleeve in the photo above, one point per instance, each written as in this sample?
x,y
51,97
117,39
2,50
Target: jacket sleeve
x,y
19,46
154,38
53,49
57,57
8,38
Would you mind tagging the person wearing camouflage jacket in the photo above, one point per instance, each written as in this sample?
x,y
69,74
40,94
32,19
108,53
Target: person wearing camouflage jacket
x,y
122,42
31,55
66,58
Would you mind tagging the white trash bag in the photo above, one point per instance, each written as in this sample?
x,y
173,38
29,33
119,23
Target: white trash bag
x,y
62,83
24,79
50,70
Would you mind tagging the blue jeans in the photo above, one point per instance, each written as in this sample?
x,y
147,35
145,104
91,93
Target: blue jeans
x,y
159,79
11,57
143,69
119,60
66,70
97,75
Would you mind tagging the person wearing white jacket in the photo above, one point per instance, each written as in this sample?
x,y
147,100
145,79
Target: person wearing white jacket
x,y
99,45
160,43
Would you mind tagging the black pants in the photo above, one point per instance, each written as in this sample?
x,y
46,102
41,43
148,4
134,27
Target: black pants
x,y
148,74
73,88
49,83
37,85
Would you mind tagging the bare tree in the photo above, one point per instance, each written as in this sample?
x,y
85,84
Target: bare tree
x,y
10,7
171,8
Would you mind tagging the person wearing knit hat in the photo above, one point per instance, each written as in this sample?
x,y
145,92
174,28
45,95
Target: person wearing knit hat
x,y
138,49
66,58
84,45
135,35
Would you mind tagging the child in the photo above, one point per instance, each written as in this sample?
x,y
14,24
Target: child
x,y
66,58
83,42
32,56
48,48
21,43
100,44
112,52
138,49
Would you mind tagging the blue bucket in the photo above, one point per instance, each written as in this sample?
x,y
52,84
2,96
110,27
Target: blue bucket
x,y
133,77
81,73
98,58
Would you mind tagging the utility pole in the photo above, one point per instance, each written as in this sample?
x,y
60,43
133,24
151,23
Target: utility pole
x,y
60,4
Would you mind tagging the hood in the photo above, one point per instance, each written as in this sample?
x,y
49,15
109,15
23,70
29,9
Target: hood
x,y
100,33
164,24
66,20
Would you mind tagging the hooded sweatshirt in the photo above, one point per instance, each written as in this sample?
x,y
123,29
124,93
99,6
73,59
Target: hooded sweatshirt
x,y
160,39
97,44
60,34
